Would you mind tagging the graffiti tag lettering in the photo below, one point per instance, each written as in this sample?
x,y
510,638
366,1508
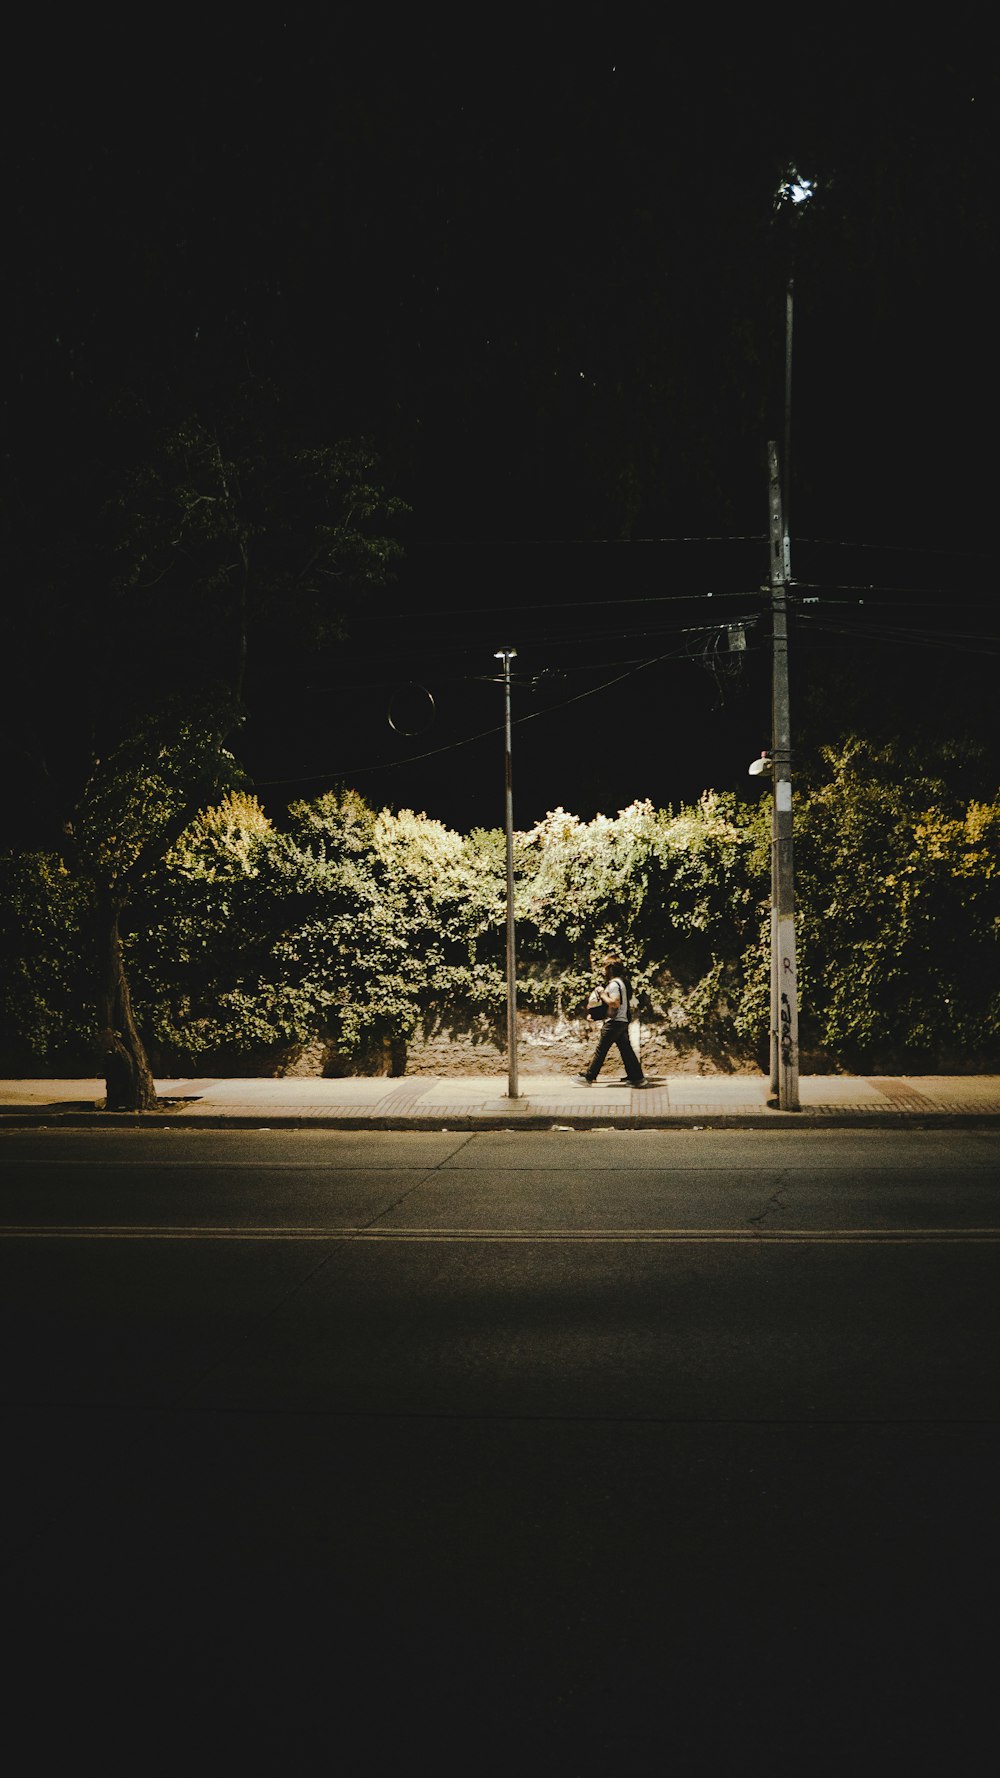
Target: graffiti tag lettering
x,y
786,1029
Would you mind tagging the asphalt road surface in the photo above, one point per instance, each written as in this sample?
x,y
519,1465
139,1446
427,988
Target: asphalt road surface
x,y
583,1452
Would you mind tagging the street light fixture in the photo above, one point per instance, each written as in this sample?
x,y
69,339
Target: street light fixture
x,y
795,188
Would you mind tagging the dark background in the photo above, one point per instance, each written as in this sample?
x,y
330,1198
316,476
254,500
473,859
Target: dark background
x,y
537,261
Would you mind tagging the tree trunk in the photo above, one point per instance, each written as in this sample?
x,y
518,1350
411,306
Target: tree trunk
x,y
127,1073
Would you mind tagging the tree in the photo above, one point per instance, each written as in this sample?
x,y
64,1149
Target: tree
x,y
260,537
900,901
213,568
135,805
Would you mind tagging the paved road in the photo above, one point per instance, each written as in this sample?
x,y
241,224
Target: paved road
x,y
565,1453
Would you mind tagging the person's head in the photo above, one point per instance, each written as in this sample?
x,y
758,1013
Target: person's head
x,y
612,965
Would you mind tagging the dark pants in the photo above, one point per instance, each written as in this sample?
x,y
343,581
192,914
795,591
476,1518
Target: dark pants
x,y
615,1031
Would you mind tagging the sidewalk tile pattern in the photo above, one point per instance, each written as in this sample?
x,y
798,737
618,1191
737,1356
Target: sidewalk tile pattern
x,y
543,1097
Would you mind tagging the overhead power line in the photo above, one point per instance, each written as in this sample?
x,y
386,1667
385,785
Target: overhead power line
x,y
440,650
467,740
463,611
943,598
531,679
913,548
585,542
467,615
871,586
814,623
908,549
962,641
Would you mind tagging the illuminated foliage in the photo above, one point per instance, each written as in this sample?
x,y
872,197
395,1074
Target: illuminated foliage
x,y
358,928
135,799
900,897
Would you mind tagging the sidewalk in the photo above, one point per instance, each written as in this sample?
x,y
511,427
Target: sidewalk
x,y
546,1101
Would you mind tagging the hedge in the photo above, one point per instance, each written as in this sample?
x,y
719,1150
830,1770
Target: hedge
x,y
363,926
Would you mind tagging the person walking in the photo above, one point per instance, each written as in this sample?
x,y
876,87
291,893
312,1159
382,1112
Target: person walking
x,y
615,997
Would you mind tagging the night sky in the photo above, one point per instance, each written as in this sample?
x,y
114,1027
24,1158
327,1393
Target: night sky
x,y
538,264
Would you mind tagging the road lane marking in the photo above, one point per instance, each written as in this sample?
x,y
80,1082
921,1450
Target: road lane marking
x,y
415,1236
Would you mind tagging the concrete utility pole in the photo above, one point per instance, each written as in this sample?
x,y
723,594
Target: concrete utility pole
x,y
507,655
786,455
784,986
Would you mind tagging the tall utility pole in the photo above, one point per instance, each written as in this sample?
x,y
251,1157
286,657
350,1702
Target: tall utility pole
x,y
784,985
507,655
792,196
786,455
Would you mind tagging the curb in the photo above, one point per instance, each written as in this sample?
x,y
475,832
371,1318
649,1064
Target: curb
x,y
508,1121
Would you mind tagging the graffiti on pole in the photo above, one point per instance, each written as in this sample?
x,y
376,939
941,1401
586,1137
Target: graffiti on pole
x,y
786,1031
785,1036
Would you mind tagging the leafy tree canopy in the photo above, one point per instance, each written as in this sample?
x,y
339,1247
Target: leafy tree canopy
x,y
355,928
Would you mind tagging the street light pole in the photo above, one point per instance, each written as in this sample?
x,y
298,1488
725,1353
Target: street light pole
x,y
507,655
786,455
792,196
780,528
784,980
